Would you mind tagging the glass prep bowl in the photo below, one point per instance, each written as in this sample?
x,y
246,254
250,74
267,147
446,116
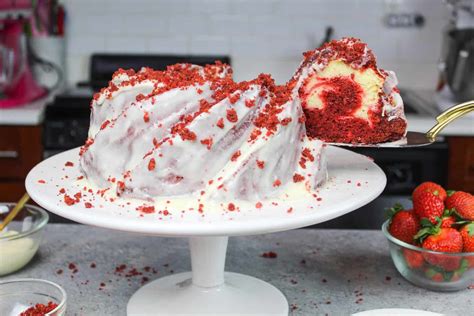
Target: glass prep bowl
x,y
436,271
20,240
18,295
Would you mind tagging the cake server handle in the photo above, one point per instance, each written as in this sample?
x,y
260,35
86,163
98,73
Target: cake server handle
x,y
448,116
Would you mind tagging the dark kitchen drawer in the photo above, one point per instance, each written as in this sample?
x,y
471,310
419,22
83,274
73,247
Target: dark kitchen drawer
x,y
12,191
405,168
20,150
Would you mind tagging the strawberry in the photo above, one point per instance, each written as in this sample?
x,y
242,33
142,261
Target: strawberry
x,y
467,233
413,258
427,205
404,224
432,187
462,203
457,274
434,275
447,221
441,240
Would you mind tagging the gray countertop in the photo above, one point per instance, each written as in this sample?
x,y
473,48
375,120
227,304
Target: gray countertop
x,y
335,272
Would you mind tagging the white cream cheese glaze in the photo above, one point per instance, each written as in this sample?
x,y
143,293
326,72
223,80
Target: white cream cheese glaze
x,y
152,137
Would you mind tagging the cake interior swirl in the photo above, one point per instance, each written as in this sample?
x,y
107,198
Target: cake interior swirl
x,y
192,130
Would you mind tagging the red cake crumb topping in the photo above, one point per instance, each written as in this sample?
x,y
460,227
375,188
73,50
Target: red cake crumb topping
x,y
69,200
258,205
286,121
277,183
41,181
307,154
220,123
69,164
351,50
208,142
88,205
260,164
140,97
234,98
270,255
104,125
297,178
231,207
186,134
146,117
39,309
232,116
146,209
250,103
84,148
151,164
235,156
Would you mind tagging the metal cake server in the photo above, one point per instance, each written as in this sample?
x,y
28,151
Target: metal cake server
x,y
417,139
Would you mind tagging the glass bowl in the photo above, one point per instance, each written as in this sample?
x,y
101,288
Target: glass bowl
x,y
20,240
18,295
436,271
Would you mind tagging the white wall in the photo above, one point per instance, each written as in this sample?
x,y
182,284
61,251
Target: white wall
x,y
260,35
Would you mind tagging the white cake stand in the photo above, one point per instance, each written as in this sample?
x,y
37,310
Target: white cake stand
x,y
354,180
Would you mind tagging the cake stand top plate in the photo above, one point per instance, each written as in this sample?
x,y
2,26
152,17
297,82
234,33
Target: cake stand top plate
x,y
354,180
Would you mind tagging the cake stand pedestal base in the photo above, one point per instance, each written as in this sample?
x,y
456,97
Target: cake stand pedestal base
x,y
207,289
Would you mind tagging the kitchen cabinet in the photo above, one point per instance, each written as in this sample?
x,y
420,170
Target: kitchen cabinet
x,y
20,150
461,163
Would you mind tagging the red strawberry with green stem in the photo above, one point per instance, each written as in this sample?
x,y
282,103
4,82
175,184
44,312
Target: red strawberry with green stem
x,y
427,205
403,224
462,203
431,187
440,239
448,219
413,258
467,233
434,275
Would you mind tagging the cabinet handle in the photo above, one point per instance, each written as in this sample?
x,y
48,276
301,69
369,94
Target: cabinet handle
x,y
9,154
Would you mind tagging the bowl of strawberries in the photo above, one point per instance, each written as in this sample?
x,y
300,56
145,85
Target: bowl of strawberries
x,y
432,244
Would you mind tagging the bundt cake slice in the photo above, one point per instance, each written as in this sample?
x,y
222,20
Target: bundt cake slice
x,y
346,98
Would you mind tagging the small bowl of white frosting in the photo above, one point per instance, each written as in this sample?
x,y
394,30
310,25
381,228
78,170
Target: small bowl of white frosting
x,y
20,240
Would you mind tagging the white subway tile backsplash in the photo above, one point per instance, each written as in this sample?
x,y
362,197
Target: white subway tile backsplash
x,y
260,35
209,6
180,24
225,25
169,45
252,7
94,24
137,24
126,44
210,45
85,45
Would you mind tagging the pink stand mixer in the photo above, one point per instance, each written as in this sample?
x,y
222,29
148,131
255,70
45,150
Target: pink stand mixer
x,y
17,85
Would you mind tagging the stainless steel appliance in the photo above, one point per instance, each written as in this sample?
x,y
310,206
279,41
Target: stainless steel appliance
x,y
457,58
460,63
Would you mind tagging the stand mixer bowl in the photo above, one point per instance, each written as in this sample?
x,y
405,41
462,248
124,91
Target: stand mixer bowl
x,y
13,54
17,85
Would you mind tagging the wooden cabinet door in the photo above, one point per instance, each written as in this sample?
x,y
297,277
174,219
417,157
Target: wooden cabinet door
x,y
20,150
461,164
